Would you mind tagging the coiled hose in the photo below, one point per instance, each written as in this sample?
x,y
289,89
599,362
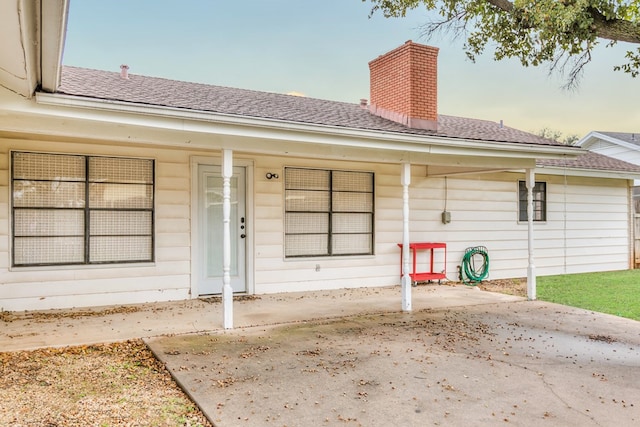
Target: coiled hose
x,y
475,265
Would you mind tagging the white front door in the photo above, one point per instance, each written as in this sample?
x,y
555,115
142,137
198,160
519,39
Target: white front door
x,y
210,227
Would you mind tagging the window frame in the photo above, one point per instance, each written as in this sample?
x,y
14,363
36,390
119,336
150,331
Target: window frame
x,y
86,210
539,201
331,212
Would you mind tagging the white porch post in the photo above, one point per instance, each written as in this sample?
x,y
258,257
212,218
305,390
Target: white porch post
x,y
406,278
227,291
531,268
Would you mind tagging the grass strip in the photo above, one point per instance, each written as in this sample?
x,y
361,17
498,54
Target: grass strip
x,y
612,292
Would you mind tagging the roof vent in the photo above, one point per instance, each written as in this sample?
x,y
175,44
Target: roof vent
x,y
124,71
363,102
633,136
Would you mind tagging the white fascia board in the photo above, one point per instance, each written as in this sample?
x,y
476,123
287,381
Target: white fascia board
x,y
587,139
248,126
53,31
591,173
28,21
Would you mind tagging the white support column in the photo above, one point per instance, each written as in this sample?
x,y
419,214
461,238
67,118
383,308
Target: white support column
x,y
531,268
227,291
405,178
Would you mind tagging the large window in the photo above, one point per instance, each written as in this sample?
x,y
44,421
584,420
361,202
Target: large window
x,y
71,209
539,201
328,212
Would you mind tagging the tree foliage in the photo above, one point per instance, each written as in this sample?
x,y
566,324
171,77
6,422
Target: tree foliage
x,y
560,33
556,135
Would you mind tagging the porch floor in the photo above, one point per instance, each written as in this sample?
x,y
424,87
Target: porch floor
x,y
59,328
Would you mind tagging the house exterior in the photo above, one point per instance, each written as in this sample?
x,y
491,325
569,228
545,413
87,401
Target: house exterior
x,y
118,188
626,147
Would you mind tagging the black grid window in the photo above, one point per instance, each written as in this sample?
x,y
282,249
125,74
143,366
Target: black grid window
x,y
539,201
72,209
328,212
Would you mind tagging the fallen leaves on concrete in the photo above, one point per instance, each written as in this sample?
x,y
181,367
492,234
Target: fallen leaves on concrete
x,y
118,384
10,316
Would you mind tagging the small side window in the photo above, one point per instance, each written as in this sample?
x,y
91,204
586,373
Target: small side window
x,y
539,201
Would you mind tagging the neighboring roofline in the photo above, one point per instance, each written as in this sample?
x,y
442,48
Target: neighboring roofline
x,y
592,136
396,141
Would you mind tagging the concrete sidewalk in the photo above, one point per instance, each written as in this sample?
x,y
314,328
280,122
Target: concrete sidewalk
x,y
59,328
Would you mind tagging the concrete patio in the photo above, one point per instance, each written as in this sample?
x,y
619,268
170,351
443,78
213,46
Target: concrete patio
x,y
350,357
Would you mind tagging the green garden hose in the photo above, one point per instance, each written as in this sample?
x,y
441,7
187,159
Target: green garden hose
x,y
475,265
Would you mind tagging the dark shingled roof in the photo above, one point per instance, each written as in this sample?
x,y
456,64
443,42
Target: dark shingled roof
x,y
591,160
248,103
288,108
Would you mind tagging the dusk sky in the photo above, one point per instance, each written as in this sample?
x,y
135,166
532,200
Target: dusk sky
x,y
321,49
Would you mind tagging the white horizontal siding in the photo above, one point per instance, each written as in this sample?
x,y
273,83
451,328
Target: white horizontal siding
x,y
587,218
616,151
586,230
167,278
94,300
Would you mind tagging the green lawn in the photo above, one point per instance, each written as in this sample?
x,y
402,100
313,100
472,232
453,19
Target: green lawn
x,y
613,292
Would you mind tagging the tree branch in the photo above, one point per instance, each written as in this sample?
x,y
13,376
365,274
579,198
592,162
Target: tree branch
x,y
609,29
615,29
505,5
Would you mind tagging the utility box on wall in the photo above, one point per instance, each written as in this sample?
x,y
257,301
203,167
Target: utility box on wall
x,y
446,217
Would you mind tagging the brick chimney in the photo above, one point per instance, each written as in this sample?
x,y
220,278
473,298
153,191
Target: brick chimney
x,y
404,86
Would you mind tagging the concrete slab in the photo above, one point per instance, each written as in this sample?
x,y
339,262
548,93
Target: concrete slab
x,y
59,328
511,362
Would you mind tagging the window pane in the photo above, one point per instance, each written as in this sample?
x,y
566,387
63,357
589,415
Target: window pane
x,y
307,244
297,223
50,167
351,244
48,194
522,207
120,248
118,223
120,196
352,202
48,250
307,201
306,179
113,169
352,181
351,223
42,222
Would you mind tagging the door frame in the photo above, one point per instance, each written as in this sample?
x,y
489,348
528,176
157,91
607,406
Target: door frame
x,y
249,215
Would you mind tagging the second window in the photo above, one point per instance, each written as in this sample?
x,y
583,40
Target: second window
x,y
328,212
